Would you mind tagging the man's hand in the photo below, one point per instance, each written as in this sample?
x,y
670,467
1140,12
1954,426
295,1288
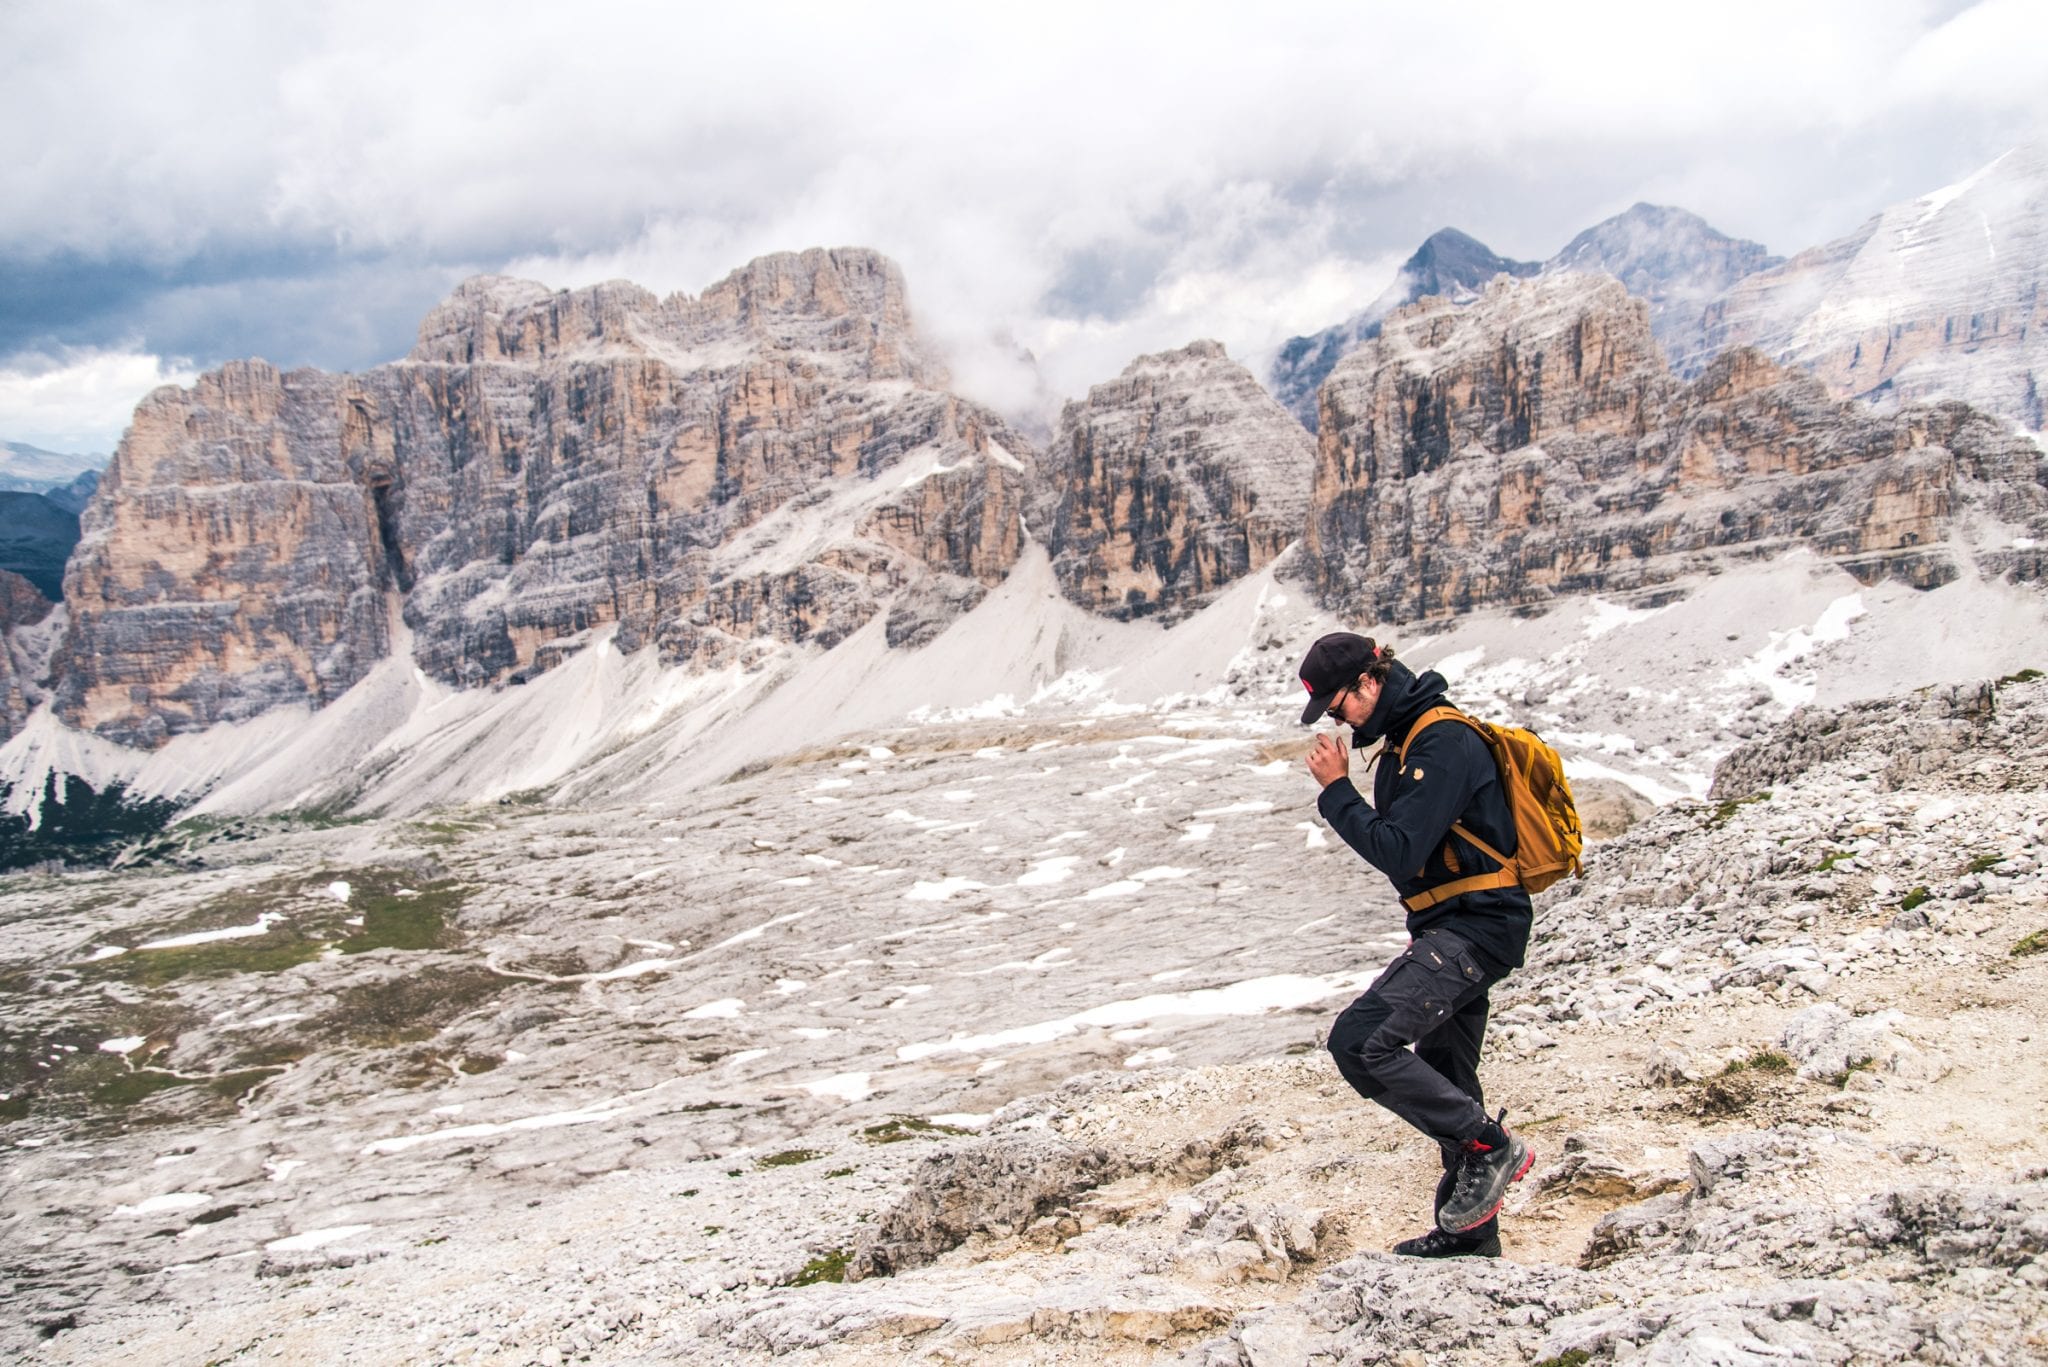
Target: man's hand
x,y
1328,760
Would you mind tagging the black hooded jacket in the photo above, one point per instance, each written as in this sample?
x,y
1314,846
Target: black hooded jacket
x,y
1449,777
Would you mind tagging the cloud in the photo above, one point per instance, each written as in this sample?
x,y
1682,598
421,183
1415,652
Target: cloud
x,y
80,402
1088,182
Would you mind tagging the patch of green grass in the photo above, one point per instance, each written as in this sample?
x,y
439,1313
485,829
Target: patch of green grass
x,y
700,1106
326,816
710,1230
412,1006
312,924
687,1191
2024,676
237,1086
1725,812
446,832
1301,1047
904,1127
1761,1061
1914,898
1833,859
2036,943
125,1088
840,1172
787,1158
826,1267
15,1107
1570,1357
1841,1079
1985,862
274,952
402,923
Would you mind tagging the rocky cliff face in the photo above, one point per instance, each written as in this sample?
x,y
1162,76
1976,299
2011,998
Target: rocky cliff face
x,y
1449,265
774,459
1536,444
20,605
1941,297
1171,481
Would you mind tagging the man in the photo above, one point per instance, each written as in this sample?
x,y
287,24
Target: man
x,y
1433,995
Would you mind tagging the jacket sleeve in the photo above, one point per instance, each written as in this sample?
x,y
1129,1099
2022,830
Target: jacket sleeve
x,y
1432,790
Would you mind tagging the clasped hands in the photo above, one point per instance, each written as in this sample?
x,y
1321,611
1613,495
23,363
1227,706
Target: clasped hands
x,y
1328,759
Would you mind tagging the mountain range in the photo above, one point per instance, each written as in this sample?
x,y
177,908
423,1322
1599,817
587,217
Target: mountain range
x,y
654,829
767,494
1935,298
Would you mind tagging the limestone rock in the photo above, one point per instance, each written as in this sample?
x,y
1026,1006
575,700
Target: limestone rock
x,y
1169,482
1535,444
1233,1243
22,604
999,1185
774,461
1931,728
1830,1044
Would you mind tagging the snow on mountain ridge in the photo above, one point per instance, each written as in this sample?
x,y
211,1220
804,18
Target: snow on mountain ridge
x,y
1938,297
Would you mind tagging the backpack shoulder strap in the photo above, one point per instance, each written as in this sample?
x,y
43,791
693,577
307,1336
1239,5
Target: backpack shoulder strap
x,y
1435,714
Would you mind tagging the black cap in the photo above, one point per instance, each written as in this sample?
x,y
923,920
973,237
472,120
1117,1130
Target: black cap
x,y
1332,663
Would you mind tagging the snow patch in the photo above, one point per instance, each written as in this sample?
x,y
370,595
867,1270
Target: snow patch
x,y
1255,996
314,1238
261,926
845,1086
157,1205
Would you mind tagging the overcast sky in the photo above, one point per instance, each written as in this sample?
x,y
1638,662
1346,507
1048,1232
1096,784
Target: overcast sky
x,y
184,184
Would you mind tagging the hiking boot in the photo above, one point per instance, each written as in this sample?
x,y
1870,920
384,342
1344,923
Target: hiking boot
x,y
1437,1244
1482,1181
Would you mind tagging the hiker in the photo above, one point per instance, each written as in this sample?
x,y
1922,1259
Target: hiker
x,y
1434,994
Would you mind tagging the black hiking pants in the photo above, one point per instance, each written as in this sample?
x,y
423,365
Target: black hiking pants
x,y
1433,996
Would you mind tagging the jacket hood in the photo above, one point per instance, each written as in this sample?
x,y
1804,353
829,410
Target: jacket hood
x,y
1404,697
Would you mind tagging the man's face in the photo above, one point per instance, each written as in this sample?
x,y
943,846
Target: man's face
x,y
1353,705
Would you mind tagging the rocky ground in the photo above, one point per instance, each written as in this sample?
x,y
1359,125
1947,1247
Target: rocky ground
x,y
1002,1045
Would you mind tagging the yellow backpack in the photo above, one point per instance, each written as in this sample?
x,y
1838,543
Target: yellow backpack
x,y
1547,840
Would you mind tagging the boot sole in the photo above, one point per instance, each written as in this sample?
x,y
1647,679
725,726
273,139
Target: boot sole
x,y
1528,1162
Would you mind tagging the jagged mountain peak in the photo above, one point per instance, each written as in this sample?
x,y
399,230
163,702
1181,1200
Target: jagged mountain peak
x,y
1449,264
1454,262
1202,350
846,303
1646,233
1671,257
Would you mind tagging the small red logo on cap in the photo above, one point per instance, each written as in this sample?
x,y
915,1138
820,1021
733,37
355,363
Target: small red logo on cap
x,y
1308,686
